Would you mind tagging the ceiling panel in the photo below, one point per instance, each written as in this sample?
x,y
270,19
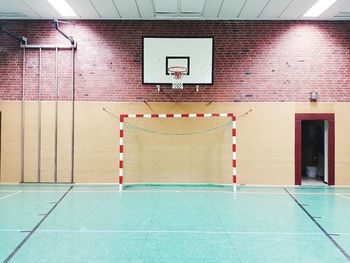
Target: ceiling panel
x,y
106,8
165,6
42,8
16,9
339,10
297,8
252,9
274,9
193,6
212,8
127,8
84,8
6,6
22,7
341,16
175,9
146,8
231,9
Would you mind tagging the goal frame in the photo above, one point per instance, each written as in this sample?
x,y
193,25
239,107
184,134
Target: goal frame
x,y
179,115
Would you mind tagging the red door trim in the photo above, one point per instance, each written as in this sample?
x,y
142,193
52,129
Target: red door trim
x,y
331,143
0,144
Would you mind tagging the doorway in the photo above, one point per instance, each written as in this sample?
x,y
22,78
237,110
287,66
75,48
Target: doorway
x,y
314,149
313,157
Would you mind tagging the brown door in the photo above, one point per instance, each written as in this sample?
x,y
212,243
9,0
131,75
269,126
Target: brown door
x,y
329,117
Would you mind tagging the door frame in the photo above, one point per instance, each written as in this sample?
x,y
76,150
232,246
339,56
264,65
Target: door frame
x,y
0,144
331,143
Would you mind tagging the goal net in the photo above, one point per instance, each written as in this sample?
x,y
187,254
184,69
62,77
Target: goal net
x,y
177,149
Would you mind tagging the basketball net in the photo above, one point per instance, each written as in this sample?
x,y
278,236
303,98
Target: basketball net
x,y
177,73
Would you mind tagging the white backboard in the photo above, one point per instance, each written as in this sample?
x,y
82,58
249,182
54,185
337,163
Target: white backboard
x,y
159,53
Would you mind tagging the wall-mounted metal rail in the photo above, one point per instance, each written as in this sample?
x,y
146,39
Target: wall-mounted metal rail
x,y
39,117
24,45
49,46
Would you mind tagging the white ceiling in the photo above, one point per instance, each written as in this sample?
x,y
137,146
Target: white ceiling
x,y
175,9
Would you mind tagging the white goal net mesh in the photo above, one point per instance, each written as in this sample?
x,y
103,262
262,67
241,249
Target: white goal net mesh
x,y
178,150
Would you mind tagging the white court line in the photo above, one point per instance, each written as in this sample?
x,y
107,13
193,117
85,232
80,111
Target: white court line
x,y
10,195
171,232
224,191
126,191
35,191
177,191
201,191
179,232
343,196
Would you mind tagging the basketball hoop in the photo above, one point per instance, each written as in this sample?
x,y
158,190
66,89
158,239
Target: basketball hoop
x,y
177,72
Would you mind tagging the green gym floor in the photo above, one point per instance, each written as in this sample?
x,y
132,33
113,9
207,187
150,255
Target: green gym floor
x,y
76,223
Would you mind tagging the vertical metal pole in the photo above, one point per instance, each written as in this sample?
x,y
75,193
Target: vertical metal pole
x,y
23,116
121,151
56,111
234,154
73,112
39,120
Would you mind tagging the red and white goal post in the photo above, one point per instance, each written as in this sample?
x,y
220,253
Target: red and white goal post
x,y
182,115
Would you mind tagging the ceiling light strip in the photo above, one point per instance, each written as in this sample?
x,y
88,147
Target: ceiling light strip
x,y
63,8
319,8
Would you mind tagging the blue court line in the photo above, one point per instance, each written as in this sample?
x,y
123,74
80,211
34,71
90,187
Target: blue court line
x,y
36,227
329,236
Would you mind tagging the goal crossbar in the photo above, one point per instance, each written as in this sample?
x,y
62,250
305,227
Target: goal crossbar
x,y
123,117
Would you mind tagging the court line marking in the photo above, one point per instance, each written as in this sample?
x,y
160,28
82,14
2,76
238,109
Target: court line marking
x,y
147,234
343,196
167,232
212,206
10,195
173,232
328,235
176,191
35,228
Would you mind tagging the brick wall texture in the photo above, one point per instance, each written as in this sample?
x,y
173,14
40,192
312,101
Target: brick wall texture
x,y
265,61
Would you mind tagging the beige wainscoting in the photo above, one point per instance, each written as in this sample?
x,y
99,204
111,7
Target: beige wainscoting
x,y
265,139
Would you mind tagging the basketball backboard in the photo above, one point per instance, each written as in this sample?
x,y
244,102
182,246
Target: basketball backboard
x,y
194,53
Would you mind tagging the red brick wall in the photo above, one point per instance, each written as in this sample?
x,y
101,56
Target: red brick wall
x,y
254,61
